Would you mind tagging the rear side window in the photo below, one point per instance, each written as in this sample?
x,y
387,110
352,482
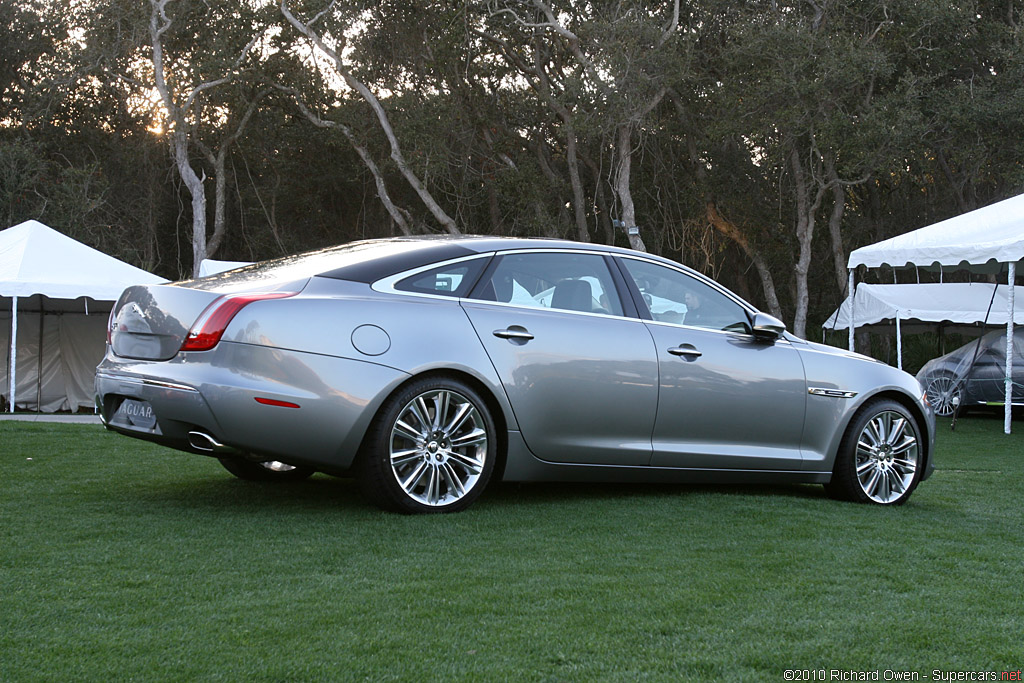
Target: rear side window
x,y
454,279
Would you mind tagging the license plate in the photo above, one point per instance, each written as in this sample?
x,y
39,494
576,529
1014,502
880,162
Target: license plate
x,y
137,414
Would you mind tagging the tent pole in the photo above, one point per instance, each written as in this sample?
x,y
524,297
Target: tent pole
x,y
1011,279
14,349
899,342
849,288
39,364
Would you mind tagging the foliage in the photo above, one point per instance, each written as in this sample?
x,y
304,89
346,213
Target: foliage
x,y
778,135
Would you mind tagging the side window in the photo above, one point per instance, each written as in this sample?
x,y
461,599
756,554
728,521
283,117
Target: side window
x,y
454,279
564,281
675,297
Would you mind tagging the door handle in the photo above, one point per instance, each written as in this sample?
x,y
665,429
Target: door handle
x,y
514,333
686,350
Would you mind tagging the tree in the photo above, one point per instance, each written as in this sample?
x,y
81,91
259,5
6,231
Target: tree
x,y
185,87
334,52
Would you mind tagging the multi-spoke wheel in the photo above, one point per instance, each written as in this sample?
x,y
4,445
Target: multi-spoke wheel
x,y
432,448
880,458
269,470
944,394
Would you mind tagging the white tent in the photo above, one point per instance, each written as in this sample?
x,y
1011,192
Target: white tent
x,y
993,235
951,302
986,238
209,266
60,292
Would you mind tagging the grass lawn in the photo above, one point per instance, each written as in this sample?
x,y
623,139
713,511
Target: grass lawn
x,y
120,560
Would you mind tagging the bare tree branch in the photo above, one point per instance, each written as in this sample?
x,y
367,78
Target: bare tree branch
x,y
382,118
397,214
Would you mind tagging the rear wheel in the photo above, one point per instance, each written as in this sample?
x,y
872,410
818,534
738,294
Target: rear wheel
x,y
431,448
269,470
881,458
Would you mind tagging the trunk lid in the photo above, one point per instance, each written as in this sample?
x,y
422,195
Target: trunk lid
x,y
150,322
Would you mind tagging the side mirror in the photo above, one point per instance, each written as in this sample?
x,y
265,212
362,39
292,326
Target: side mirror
x,y
766,327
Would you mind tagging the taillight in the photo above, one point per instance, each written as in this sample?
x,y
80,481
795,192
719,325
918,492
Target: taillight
x,y
110,323
209,327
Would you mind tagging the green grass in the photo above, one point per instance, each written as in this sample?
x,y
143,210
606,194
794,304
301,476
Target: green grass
x,y
120,560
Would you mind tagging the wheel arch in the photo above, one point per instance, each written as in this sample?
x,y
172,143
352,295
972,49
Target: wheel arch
x,y
907,402
493,405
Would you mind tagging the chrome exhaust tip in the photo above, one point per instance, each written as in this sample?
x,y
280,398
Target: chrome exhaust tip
x,y
201,441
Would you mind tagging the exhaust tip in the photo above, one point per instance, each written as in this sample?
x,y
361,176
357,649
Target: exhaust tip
x,y
201,441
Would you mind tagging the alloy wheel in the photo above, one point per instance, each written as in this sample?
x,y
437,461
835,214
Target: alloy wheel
x,y
887,457
438,447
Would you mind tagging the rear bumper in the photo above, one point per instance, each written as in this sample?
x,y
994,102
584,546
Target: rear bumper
x,y
329,402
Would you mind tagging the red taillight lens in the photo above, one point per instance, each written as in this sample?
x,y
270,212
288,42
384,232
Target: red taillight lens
x,y
110,323
207,330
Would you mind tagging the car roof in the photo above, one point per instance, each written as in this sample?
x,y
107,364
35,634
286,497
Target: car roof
x,y
386,257
370,260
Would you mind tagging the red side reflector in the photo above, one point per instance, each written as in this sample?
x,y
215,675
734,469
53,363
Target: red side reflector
x,y
208,329
275,402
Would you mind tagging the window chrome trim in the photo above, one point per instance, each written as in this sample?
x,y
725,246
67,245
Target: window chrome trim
x,y
555,250
729,333
542,309
387,285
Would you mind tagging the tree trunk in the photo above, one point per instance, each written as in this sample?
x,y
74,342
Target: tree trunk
x,y
730,230
805,210
578,202
622,176
382,118
398,215
835,221
603,219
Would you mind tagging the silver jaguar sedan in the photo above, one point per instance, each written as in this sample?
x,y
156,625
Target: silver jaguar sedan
x,y
428,367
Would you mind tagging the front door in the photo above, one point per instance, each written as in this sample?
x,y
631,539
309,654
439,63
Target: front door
x,y
727,400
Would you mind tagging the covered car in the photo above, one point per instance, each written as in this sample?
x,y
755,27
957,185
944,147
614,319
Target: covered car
x,y
975,374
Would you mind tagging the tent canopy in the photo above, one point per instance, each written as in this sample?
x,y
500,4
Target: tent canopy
x,y
50,364
949,302
35,259
981,239
994,234
209,266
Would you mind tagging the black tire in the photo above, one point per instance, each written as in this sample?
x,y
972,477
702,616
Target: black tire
x,y
881,457
270,470
415,462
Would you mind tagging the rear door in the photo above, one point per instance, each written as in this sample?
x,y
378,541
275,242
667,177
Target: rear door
x,y
581,375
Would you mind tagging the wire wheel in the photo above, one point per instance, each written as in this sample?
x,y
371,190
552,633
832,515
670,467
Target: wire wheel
x,y
887,457
944,394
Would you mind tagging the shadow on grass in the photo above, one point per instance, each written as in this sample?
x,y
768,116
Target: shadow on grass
x,y
340,496
538,492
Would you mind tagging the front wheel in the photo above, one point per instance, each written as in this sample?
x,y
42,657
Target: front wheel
x,y
880,459
944,393
431,448
269,470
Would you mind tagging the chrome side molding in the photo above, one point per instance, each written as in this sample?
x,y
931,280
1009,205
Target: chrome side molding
x,y
831,393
